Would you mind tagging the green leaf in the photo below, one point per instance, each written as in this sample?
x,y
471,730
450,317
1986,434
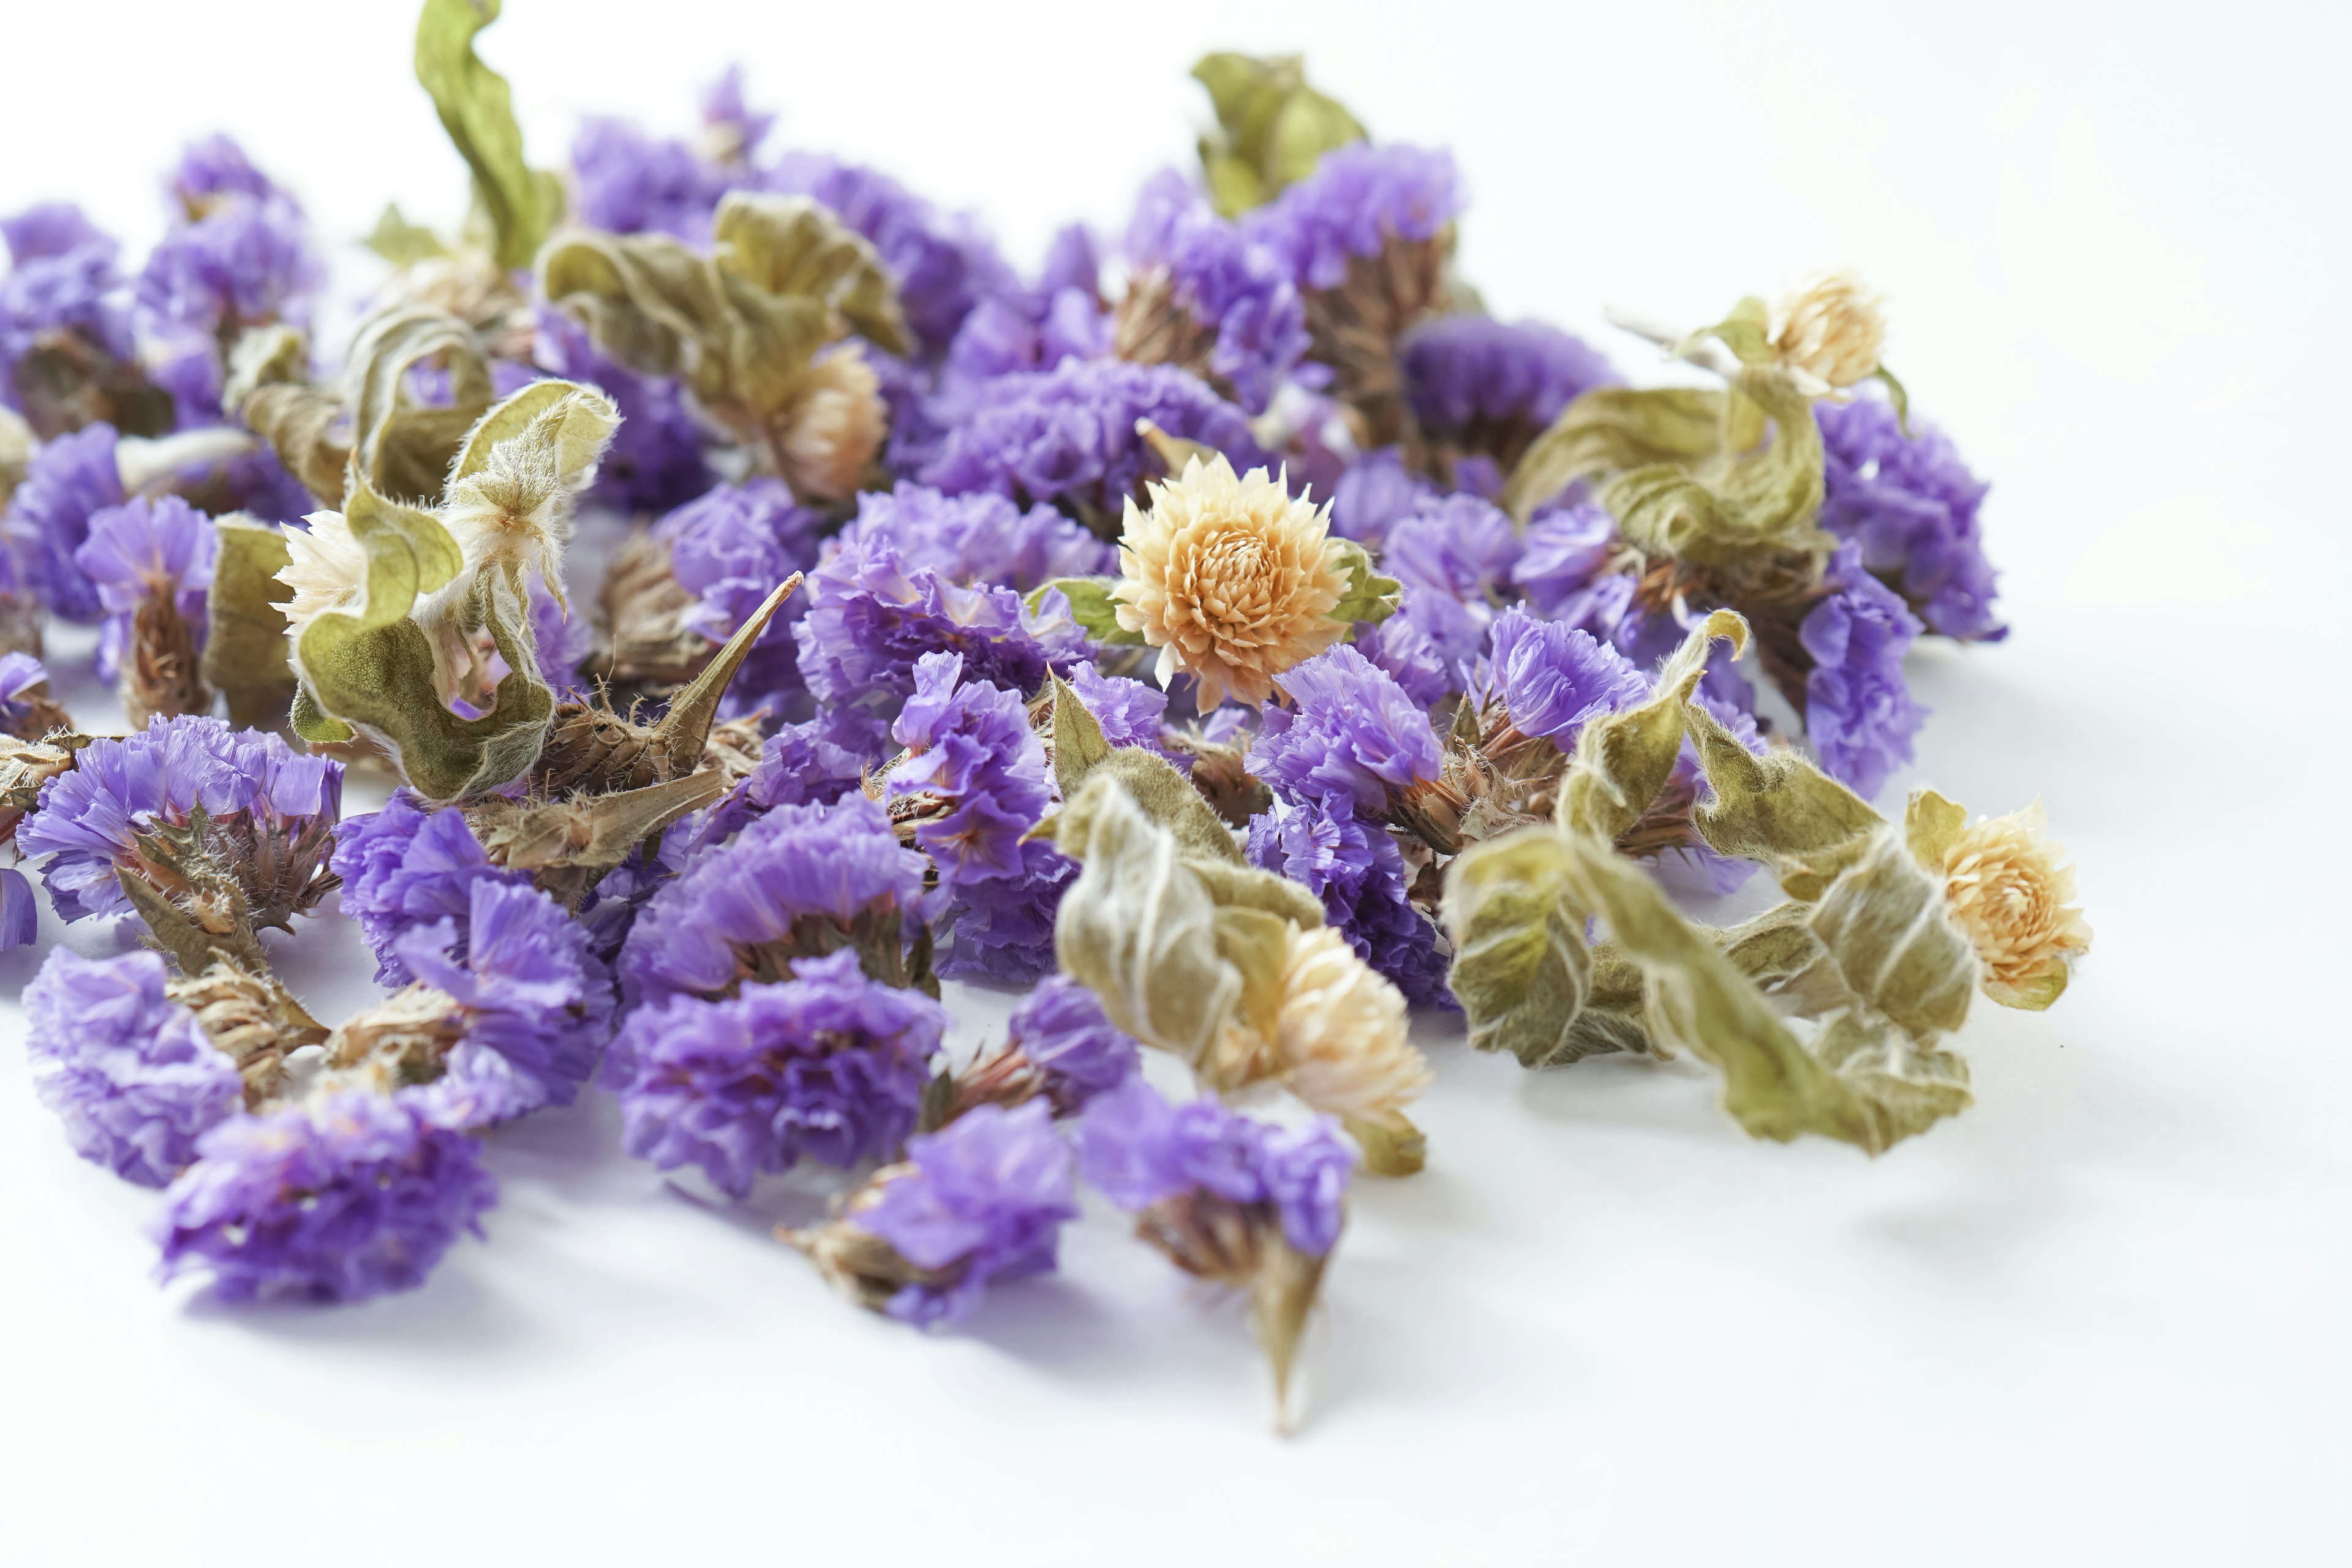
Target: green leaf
x,y
1623,760
1779,810
1078,743
1392,1148
477,111
789,248
1746,332
1370,596
1092,606
245,656
400,242
1728,508
1138,930
1613,428
1272,128
1898,396
1237,886
1521,969
1166,797
1882,923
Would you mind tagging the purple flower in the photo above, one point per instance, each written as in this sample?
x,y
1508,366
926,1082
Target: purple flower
x,y
984,1199
1552,679
1354,867
628,181
1563,550
138,550
271,814
828,1064
1225,283
1352,730
730,128
798,766
130,1072
974,769
20,673
246,262
1858,710
1401,647
1375,493
1911,505
656,459
357,1196
1004,930
730,549
1138,1151
1357,197
62,280
800,875
20,911
1493,386
919,573
1455,558
404,867
1129,711
536,1003
48,518
212,168
1060,1031
1067,435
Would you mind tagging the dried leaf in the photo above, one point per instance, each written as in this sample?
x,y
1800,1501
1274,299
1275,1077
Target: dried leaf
x,y
1233,886
1091,607
1623,760
245,656
1882,923
1778,809
1077,735
1370,596
1272,128
400,242
477,111
1612,429
1521,970
1164,795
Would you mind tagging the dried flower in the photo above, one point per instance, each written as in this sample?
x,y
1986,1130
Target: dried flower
x,y
1859,714
2008,890
1230,579
1911,504
327,570
27,710
1057,1044
151,561
831,429
1829,330
1340,1032
1354,867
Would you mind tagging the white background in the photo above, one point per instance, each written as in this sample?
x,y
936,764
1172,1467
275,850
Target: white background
x,y
2099,1319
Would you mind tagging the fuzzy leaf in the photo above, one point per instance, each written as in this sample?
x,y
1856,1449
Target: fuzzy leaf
x,y
1931,826
1746,332
1393,1147
1078,743
789,248
1778,809
1272,128
1623,760
1739,504
1138,930
400,242
402,444
1520,966
1882,923
1236,887
1164,795
1611,429
245,656
477,111
1370,596
1091,607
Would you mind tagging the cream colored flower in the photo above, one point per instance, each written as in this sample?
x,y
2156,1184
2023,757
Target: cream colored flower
x,y
512,513
828,434
326,568
1340,1034
1230,579
2008,890
1830,330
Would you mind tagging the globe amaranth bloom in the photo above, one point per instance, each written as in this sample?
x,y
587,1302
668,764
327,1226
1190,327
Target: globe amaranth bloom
x,y
800,881
68,480
1552,679
358,1195
151,563
981,1200
1479,385
269,820
1350,730
1142,1153
917,573
1859,714
1203,296
1355,867
1910,505
829,1064
130,1071
1068,435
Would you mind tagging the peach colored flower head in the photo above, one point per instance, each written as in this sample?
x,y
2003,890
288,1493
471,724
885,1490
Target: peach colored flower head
x,y
1831,330
1340,1031
2009,892
829,432
1230,579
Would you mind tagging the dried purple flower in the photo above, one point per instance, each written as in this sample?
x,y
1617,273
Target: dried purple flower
x,y
1910,503
1550,679
829,1064
1563,550
355,1196
1358,197
152,563
1204,297
130,1071
1859,714
62,298
1355,867
730,548
1352,729
1454,557
973,781
1376,493
404,867
1485,386
27,710
69,480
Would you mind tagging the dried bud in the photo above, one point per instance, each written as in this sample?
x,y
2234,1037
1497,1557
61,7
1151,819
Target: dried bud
x,y
646,612
1222,776
1830,331
406,1037
1355,325
2007,889
825,438
1242,1246
1151,328
162,678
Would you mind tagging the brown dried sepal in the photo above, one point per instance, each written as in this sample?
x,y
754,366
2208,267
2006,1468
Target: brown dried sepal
x,y
252,1018
877,934
230,873
1222,775
42,716
64,381
407,1036
645,615
860,1266
1151,328
20,619
162,676
1355,325
1242,1246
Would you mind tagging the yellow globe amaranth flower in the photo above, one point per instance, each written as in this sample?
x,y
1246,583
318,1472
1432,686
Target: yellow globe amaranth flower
x,y
1230,578
829,433
2010,892
1831,330
1340,1034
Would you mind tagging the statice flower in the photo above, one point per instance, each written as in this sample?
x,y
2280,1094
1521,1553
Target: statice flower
x,y
1911,505
130,1071
1058,1044
917,573
655,461
828,1064
628,181
145,553
1355,867
730,549
357,1195
1404,651
1455,558
982,1200
1141,1153
1377,493
1129,711
1351,730
404,868
531,1004
1204,297
1477,384
1357,198
1859,714
62,280
1068,435
1551,680
67,481
800,882
269,818
1564,549
797,766
27,710
973,781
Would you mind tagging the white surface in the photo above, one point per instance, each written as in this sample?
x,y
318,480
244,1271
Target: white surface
x,y
2099,1319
